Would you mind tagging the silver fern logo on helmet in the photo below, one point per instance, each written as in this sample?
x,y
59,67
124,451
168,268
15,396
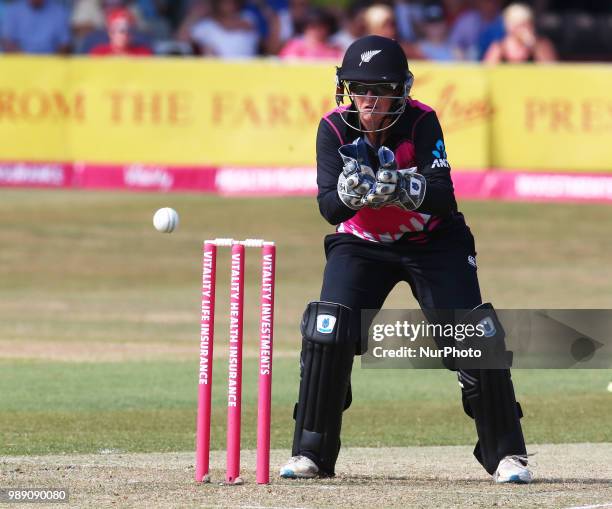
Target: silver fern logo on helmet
x,y
366,56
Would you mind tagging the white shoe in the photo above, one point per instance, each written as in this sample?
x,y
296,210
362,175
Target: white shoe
x,y
299,467
513,469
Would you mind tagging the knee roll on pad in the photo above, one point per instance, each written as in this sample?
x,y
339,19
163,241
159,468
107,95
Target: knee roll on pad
x,y
326,323
490,340
326,361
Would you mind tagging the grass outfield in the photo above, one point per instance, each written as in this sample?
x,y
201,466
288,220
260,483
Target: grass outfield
x,y
150,406
99,322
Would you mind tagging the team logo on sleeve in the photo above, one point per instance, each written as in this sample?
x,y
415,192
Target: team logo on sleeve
x,y
440,156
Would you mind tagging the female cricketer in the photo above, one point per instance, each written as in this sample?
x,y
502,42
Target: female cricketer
x,y
384,180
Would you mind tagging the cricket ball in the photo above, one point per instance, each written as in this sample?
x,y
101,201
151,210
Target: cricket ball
x,y
166,220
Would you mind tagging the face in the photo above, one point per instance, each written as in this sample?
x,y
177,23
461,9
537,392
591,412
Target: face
x,y
435,31
317,32
524,31
357,25
119,33
386,28
373,101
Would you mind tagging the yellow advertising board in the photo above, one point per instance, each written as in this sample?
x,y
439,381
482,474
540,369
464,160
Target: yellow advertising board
x,y
552,117
203,112
459,94
37,110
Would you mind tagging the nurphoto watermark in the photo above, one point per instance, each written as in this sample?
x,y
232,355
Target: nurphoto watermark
x,y
486,338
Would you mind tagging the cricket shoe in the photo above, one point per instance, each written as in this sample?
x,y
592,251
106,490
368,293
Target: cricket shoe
x,y
299,467
513,469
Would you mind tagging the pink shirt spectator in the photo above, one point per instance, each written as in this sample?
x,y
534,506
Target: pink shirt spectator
x,y
314,44
300,48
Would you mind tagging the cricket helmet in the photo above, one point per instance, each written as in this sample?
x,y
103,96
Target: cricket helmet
x,y
381,63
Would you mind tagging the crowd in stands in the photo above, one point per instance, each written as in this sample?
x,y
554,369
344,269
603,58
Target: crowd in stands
x,y
437,30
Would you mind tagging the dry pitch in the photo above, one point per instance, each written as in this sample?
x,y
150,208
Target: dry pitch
x,y
568,476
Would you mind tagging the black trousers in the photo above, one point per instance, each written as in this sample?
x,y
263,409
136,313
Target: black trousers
x,y
360,274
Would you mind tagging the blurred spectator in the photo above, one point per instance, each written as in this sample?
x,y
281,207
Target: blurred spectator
x,y
90,15
176,10
521,44
86,17
380,20
196,11
265,14
314,42
493,28
409,15
119,23
353,25
435,44
476,29
453,9
227,33
89,21
2,4
35,26
155,16
293,19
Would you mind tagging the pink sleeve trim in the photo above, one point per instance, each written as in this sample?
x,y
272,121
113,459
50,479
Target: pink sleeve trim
x,y
326,118
419,105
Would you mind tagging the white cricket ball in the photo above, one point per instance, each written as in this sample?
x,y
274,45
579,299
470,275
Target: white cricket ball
x,y
610,387
166,220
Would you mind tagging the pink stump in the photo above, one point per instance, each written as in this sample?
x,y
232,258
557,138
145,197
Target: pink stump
x,y
266,329
207,331
234,392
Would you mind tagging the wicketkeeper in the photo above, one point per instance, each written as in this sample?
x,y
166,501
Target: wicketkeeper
x,y
384,181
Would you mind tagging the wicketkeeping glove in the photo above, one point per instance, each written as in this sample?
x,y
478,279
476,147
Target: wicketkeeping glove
x,y
357,178
404,188
411,187
385,187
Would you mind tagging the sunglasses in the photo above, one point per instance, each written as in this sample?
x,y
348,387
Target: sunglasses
x,y
381,89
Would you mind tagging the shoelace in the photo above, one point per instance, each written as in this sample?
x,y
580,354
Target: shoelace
x,y
522,458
